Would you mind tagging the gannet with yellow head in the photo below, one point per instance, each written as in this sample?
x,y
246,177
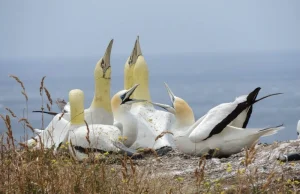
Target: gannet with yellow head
x,y
99,112
99,137
229,140
152,122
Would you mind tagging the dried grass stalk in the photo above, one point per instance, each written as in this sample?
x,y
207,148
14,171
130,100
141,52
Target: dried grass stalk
x,y
11,112
48,95
162,134
18,80
42,85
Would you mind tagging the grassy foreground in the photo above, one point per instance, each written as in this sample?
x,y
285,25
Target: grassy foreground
x,y
40,171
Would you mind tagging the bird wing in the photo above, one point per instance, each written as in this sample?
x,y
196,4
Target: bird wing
x,y
214,122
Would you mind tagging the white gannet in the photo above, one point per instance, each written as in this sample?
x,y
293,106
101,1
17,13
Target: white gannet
x,y
152,122
99,137
222,115
99,111
229,140
298,129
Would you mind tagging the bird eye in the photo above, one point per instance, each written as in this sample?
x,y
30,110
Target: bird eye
x,y
122,96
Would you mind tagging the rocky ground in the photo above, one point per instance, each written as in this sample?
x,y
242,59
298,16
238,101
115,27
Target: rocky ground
x,y
260,164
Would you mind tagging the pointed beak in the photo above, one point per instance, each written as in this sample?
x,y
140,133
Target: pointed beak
x,y
136,52
251,99
266,97
128,94
164,106
105,63
171,94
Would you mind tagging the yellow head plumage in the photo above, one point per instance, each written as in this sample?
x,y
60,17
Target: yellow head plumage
x,y
76,99
184,113
136,72
102,77
180,108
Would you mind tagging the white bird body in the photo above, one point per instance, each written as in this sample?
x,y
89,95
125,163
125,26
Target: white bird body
x,y
229,140
213,116
98,137
54,133
151,122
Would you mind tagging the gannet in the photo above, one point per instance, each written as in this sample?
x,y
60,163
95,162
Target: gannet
x,y
229,140
152,122
99,137
298,129
222,115
99,111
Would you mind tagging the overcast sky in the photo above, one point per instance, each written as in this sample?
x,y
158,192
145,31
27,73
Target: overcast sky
x,y
36,28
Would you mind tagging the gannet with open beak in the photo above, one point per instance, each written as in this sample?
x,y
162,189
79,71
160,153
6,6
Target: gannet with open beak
x,y
229,140
98,137
152,122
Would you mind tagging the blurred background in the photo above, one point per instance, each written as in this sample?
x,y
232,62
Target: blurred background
x,y
209,52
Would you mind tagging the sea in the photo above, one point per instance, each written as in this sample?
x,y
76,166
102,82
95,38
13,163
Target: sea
x,y
204,80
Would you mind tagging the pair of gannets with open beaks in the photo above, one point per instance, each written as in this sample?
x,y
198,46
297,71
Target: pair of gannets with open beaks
x,y
99,137
99,112
152,122
223,128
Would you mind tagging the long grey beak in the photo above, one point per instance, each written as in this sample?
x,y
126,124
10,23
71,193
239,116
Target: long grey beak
x,y
266,97
164,106
126,97
105,63
171,95
136,52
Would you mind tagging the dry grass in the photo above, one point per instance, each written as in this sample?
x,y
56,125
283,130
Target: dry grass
x,y
41,171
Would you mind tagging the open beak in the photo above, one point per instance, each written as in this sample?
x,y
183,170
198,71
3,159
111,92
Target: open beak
x,y
105,63
164,106
126,98
136,52
171,95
